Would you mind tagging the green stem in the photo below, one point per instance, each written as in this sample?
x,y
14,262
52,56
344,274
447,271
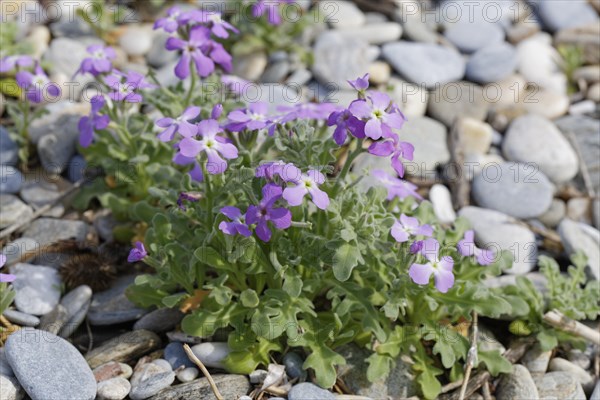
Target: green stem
x,y
209,196
188,99
347,165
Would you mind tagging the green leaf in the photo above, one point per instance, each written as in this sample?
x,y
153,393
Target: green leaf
x,y
211,257
346,257
494,362
379,366
449,344
249,298
244,362
548,341
323,361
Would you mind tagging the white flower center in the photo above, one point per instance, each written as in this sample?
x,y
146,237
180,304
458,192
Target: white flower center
x,y
98,54
39,80
215,18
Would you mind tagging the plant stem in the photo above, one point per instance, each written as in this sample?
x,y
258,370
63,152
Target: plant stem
x,y
209,196
347,165
188,99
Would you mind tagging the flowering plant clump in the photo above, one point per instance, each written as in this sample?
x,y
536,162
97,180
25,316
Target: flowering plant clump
x,y
7,294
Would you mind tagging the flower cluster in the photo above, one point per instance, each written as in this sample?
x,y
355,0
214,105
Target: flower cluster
x,y
99,61
36,84
193,32
271,8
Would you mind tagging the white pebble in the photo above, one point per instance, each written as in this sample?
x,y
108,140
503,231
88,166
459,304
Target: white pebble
x,y
113,389
187,374
164,364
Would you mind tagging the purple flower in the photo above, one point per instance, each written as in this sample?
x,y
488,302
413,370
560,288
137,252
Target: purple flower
x,y
378,114
216,111
237,226
196,172
179,125
93,122
214,146
170,23
260,215
416,247
187,196
271,169
5,277
396,187
316,111
9,63
201,50
271,7
253,117
124,86
137,253
235,84
214,20
407,226
399,150
467,248
37,84
441,268
99,62
305,184
345,122
360,84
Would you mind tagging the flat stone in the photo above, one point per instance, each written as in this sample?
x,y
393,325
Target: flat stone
x,y
58,145
127,347
516,189
112,370
475,136
546,103
431,150
49,367
12,210
20,318
492,63
379,72
10,389
211,354
160,321
411,98
276,72
580,209
581,237
399,383
150,379
39,193
534,139
559,386
536,360
537,63
11,179
561,14
440,197
250,66
552,217
112,306
293,365
586,380
425,64
76,304
341,14
9,150
230,386
381,33
338,58
176,356
54,320
517,385
137,40
309,391
580,358
5,368
48,230
470,36
596,394
457,100
37,288
113,389
187,374
498,231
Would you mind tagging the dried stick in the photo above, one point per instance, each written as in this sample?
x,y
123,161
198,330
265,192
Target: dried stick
x,y
471,357
564,323
196,361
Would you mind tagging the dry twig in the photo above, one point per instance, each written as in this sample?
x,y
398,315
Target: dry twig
x,y
471,357
196,361
564,323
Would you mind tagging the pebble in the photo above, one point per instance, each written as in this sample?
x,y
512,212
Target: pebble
x,y
537,63
596,212
338,58
77,168
5,368
49,367
378,34
137,40
308,391
417,29
398,384
299,77
150,379
500,232
411,98
582,376
250,66
160,321
293,365
588,73
536,360
475,136
39,193
276,72
20,318
470,36
552,217
534,139
54,320
375,18
64,56
158,56
12,210
546,103
596,394
48,230
581,237
585,37
518,190
10,389
517,385
579,358
176,356
580,209
594,92
111,370
37,288
425,64
557,15
440,197
56,148
230,386
582,107
9,150
430,140
457,100
559,386
178,336
492,63
188,374
379,72
341,14
11,180
76,304
124,348
211,354
258,376
113,389
112,306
